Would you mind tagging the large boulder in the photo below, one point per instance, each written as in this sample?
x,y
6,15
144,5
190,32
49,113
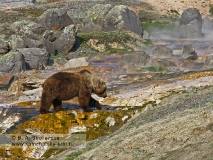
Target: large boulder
x,y
112,18
91,27
76,62
12,62
16,41
162,52
26,27
35,58
207,25
188,52
25,41
191,23
137,59
4,47
60,41
55,19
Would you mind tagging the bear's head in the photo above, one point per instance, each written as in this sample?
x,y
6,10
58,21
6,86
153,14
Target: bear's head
x,y
99,87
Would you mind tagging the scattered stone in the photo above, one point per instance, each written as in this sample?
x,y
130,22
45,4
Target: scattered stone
x,y
91,27
12,62
16,41
5,80
162,52
27,27
124,118
137,59
207,25
110,121
31,95
77,129
189,53
191,23
35,58
60,42
122,76
4,47
55,19
208,62
112,18
76,62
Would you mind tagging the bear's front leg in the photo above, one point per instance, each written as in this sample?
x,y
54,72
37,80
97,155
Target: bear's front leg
x,y
94,103
84,99
45,103
57,104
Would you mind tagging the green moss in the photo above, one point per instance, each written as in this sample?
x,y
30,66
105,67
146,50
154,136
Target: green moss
x,y
148,43
105,38
7,56
155,69
211,10
150,27
57,56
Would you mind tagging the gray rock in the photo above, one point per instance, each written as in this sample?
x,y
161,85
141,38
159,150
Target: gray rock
x,y
26,27
97,14
191,30
16,41
6,79
189,15
91,27
191,23
114,18
61,42
207,25
120,17
209,62
55,19
31,95
4,47
76,62
162,52
136,58
188,52
35,58
33,43
28,34
12,62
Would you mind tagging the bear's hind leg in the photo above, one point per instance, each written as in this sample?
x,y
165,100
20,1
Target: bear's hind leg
x,y
57,104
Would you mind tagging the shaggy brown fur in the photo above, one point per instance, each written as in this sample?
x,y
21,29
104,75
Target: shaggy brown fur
x,y
64,86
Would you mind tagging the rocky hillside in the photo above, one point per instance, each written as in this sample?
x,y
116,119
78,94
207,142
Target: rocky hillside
x,y
179,128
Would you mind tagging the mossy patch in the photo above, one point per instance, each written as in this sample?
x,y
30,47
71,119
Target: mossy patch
x,y
7,56
156,25
211,10
105,40
153,69
96,124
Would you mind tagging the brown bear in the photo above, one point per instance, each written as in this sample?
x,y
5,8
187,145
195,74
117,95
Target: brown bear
x,y
65,86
